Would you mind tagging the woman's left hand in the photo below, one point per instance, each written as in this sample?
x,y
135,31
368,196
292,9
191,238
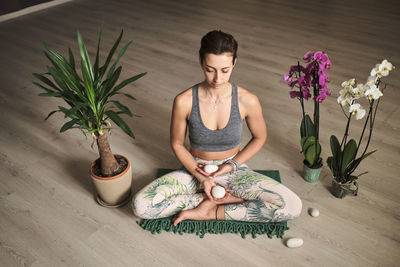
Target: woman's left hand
x,y
222,169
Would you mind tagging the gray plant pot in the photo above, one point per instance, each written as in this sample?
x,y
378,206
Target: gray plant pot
x,y
341,190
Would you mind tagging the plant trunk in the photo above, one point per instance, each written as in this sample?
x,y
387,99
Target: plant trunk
x,y
109,164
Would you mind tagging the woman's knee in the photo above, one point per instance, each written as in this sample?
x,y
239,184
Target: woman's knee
x,y
296,205
139,206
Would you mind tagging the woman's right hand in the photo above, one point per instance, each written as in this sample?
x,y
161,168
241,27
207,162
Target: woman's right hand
x,y
208,184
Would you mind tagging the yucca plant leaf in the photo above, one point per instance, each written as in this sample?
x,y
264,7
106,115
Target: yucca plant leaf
x,y
64,67
120,122
123,108
68,125
85,57
48,90
96,62
120,54
110,55
88,83
110,83
71,59
66,81
51,113
72,112
127,95
128,81
45,80
54,94
349,153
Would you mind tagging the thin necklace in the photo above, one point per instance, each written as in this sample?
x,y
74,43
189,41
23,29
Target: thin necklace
x,y
214,107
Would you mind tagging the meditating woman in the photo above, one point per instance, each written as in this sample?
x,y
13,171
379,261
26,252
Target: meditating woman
x,y
213,111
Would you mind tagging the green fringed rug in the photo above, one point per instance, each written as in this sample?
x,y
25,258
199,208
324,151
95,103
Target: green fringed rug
x,y
201,228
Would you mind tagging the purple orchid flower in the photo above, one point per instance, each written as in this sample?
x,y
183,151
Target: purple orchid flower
x,y
294,94
307,57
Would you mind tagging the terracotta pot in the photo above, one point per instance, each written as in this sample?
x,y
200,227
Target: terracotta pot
x,y
113,191
311,175
341,190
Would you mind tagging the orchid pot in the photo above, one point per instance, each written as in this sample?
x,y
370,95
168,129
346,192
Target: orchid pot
x,y
311,175
340,190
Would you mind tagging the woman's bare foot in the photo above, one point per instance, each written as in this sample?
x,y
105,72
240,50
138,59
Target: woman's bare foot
x,y
204,211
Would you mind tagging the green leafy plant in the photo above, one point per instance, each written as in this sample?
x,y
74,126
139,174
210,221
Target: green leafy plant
x,y
88,97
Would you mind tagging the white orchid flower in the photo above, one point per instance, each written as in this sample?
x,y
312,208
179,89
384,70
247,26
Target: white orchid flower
x,y
357,110
375,71
385,67
358,91
350,82
371,81
345,98
373,93
382,69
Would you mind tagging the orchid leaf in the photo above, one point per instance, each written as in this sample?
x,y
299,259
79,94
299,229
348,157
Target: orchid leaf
x,y
307,127
349,153
353,166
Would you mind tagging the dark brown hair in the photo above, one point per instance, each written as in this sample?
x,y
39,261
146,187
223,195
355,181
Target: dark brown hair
x,y
218,42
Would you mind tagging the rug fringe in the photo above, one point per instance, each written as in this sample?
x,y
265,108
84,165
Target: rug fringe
x,y
201,228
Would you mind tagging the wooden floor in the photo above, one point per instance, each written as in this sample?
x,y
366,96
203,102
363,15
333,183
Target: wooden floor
x,y
48,216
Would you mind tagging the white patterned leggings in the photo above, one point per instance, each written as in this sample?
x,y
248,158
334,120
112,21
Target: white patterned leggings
x,y
266,199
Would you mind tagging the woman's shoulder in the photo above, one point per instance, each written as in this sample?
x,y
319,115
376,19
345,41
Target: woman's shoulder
x,y
246,97
183,100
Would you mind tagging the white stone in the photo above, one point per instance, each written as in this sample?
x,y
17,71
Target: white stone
x,y
210,168
294,242
314,212
218,191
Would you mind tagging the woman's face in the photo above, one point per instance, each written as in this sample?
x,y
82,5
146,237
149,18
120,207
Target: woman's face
x,y
217,69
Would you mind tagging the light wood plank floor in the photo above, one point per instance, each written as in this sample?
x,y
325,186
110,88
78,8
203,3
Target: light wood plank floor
x,y
48,216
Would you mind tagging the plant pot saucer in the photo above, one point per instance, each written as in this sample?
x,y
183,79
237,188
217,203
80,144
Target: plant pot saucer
x,y
122,203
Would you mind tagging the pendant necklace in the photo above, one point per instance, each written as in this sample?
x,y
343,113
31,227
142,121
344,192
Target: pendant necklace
x,y
215,103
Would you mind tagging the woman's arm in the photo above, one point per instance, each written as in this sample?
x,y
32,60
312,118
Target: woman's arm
x,y
256,124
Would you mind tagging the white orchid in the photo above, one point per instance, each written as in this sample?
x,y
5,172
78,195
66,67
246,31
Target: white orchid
x,y
345,98
371,81
357,110
382,69
348,93
350,82
373,93
358,91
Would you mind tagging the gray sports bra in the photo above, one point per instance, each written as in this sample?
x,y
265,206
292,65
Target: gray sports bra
x,y
204,139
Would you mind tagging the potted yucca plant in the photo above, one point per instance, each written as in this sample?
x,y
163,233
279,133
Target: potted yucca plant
x,y
90,108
